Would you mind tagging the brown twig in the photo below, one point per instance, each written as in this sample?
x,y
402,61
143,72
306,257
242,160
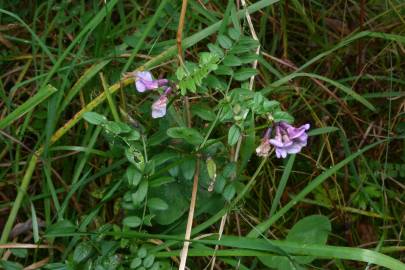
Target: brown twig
x,y
37,265
184,251
179,39
179,35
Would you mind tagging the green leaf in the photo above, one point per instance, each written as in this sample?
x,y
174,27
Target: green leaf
x,y
61,227
148,261
233,135
142,252
156,266
117,127
7,265
133,136
215,49
244,74
132,221
270,105
232,61
224,41
181,73
279,116
207,59
204,112
258,100
19,252
135,263
161,181
224,70
175,194
234,34
94,118
220,184
309,230
82,252
229,192
235,19
133,175
140,194
190,135
188,168
246,59
157,204
245,45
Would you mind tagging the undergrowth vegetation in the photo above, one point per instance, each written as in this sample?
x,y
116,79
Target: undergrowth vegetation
x,y
268,135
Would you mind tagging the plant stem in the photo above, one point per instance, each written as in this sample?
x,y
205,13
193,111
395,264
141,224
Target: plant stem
x,y
184,252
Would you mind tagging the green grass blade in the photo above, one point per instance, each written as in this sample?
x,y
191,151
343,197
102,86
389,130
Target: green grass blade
x,y
18,200
323,130
257,247
81,82
110,100
145,33
282,184
27,106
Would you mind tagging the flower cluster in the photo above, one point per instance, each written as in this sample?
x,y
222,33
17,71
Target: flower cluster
x,y
145,82
287,140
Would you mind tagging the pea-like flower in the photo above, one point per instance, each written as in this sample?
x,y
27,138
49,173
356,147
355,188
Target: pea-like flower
x,y
289,139
159,106
144,81
264,148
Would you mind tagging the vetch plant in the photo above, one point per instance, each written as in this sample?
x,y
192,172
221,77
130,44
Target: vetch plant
x,y
159,106
144,81
287,140
171,160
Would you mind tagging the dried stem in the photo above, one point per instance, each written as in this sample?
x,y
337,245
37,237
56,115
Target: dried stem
x,y
179,36
184,251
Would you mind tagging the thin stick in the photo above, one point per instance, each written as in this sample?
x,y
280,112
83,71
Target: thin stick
x,y
184,251
179,39
179,35
254,36
37,265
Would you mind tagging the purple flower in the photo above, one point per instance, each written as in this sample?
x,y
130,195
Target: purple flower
x,y
264,148
289,139
144,81
159,107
